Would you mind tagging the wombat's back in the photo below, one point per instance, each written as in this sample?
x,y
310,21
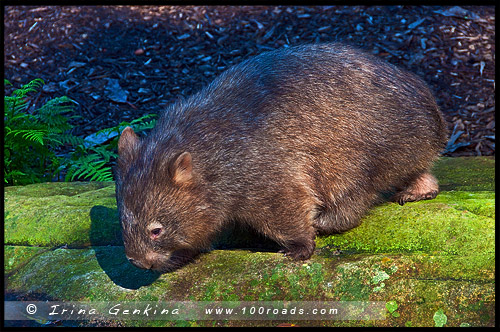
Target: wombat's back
x,y
325,114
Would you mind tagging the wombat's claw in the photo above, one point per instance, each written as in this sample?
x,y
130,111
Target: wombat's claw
x,y
403,198
299,252
285,252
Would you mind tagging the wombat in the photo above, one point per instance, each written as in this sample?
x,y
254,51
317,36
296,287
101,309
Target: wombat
x,y
294,142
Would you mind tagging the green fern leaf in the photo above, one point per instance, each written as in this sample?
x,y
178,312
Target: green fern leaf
x,y
31,134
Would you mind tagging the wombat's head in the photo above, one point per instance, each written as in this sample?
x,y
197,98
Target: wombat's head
x,y
164,213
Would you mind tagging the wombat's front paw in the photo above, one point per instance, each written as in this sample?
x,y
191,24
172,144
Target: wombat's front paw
x,y
300,251
406,197
423,187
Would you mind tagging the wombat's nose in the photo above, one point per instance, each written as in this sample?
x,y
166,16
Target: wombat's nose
x,y
139,264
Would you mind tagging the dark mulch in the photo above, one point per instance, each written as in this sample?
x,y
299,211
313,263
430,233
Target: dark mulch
x,y
160,53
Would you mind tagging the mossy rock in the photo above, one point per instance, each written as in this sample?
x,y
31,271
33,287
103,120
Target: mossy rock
x,y
56,214
431,262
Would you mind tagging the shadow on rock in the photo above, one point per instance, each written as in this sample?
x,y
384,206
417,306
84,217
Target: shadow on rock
x,y
237,236
105,238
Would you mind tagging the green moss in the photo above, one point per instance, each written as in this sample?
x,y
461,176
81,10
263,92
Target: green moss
x,y
15,256
417,294
56,189
56,220
481,203
465,173
353,283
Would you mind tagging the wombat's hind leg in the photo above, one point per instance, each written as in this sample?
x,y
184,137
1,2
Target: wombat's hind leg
x,y
344,214
423,187
335,221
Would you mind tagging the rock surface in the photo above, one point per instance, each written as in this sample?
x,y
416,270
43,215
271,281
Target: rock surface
x,y
431,262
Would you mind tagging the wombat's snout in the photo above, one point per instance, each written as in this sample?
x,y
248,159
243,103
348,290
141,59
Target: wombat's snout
x,y
138,264
151,261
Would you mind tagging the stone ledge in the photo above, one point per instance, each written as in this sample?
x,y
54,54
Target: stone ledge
x,y
62,242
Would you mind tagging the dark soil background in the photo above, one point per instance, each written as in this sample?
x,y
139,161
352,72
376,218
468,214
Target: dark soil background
x,y
121,62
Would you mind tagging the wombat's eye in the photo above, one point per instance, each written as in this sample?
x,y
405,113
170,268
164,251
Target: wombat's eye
x,y
155,232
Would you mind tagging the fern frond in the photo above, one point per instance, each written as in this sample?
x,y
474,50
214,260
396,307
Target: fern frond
x,y
80,167
104,152
35,135
104,174
71,139
90,167
143,118
37,83
17,101
22,116
15,105
140,124
108,131
54,108
144,126
32,86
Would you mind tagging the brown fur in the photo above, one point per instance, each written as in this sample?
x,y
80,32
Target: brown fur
x,y
293,142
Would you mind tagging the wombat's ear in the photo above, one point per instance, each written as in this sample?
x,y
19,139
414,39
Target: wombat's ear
x,y
127,143
182,168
